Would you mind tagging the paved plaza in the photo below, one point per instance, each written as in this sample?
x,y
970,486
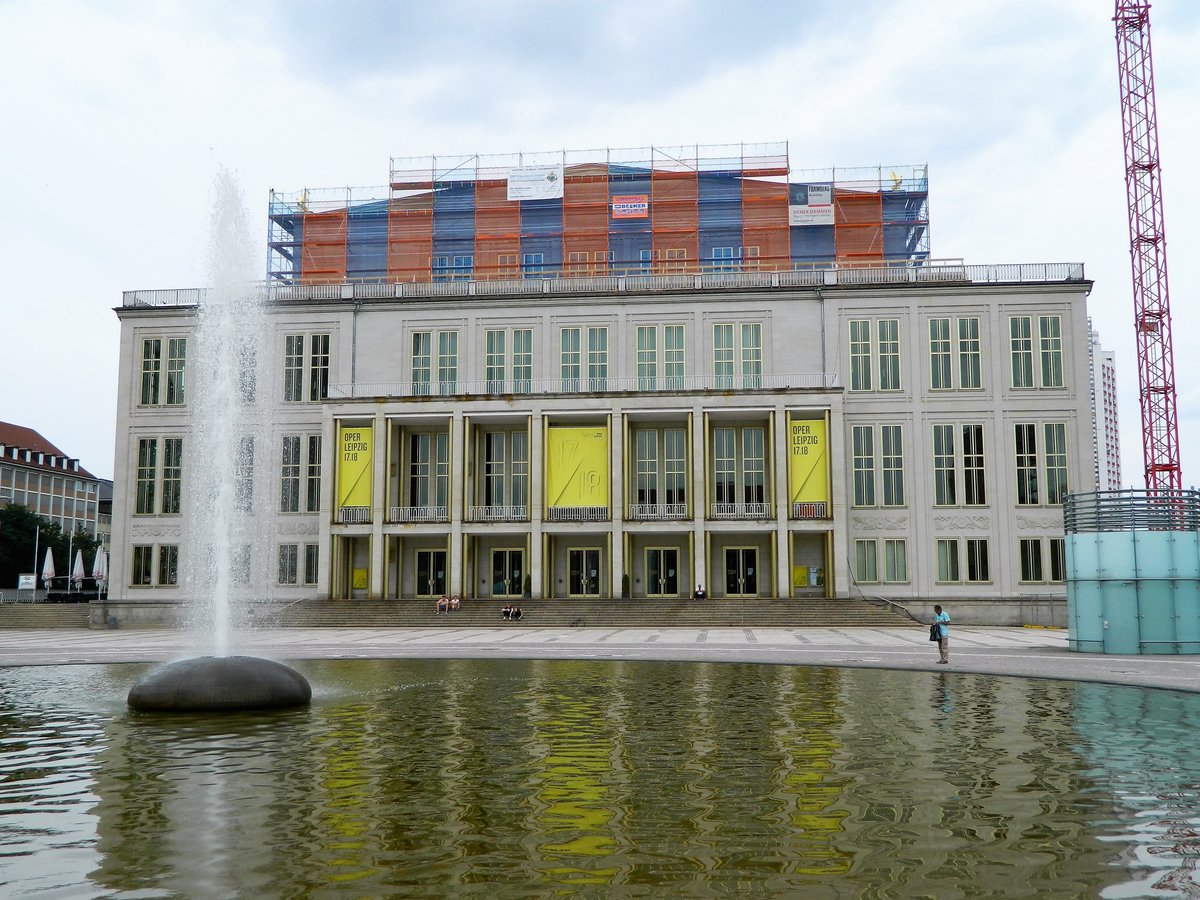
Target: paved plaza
x,y
1028,652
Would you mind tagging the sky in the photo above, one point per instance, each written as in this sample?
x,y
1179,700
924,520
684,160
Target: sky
x,y
117,115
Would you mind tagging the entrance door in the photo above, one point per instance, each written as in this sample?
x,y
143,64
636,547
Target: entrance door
x,y
584,565
431,573
508,573
741,571
662,572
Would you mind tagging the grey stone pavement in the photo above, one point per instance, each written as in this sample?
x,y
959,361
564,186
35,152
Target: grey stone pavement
x,y
1026,652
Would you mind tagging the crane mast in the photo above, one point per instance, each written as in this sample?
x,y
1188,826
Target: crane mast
x,y
1148,249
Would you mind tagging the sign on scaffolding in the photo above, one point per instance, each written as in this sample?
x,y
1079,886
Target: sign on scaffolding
x,y
535,183
810,204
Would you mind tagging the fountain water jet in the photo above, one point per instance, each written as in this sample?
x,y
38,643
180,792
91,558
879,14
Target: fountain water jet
x,y
224,554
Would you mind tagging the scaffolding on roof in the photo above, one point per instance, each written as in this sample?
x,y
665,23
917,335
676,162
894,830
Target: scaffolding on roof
x,y
647,210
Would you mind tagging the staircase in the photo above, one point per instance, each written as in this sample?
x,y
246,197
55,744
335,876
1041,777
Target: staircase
x,y
44,615
589,614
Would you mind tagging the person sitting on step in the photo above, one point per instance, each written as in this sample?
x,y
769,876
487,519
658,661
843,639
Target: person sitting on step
x,y
443,606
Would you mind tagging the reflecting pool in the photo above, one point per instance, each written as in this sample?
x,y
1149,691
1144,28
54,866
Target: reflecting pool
x,y
529,778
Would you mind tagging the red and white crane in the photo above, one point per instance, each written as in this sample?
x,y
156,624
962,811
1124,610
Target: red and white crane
x,y
1148,249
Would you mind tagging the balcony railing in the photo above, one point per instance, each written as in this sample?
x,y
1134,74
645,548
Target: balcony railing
x,y
699,277
354,515
399,514
578,514
740,511
811,510
661,512
498,513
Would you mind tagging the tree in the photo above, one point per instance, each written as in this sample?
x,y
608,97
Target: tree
x,y
19,532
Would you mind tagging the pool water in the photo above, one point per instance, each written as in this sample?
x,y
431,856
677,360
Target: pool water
x,y
534,778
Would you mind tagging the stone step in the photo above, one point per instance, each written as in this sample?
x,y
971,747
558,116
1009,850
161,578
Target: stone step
x,y
44,615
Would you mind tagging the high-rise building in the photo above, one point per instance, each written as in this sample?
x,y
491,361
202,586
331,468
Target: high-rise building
x,y
1105,423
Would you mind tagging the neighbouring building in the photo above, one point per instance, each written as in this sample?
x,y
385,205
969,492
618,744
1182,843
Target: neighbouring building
x,y
1105,422
38,475
632,372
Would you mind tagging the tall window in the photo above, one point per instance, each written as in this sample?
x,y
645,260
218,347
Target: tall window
x,y
1031,559
288,559
860,355
141,570
151,370
318,369
312,557
647,357
947,560
570,359
1025,436
1050,347
243,479
312,493
723,355
522,361
295,365
739,464
970,365
172,475
660,466
494,339
1056,462
428,469
422,361
754,464
895,560
646,464
977,560
598,359
974,490
1020,340
939,354
889,354
168,564
147,474
447,362
891,443
863,440
943,466
673,357
675,464
752,361
497,359
866,561
289,474
506,468
1058,559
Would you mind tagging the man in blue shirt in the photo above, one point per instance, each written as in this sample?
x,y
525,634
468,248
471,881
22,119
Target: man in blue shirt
x,y
942,620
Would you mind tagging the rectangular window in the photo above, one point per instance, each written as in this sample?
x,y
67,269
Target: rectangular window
x,y
247,363
970,365
142,569
1056,462
176,365
863,439
944,481
673,356
1025,436
1058,559
495,466
447,362
675,464
866,561
495,360
243,484
647,357
293,367
947,553
889,354
1020,337
754,465
722,259
974,489
318,368
311,561
522,361
1031,559
752,359
646,466
289,474
312,498
723,356
570,359
939,355
598,359
147,473
422,361
168,564
288,554
532,265
891,446
724,465
429,469
895,561
977,560
172,475
860,355
151,368
1050,346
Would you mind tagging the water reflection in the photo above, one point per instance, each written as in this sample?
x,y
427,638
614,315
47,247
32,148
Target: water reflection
x,y
535,777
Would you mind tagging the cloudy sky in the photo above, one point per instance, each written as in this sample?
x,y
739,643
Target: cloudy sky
x,y
117,114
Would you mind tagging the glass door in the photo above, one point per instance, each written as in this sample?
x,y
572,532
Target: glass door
x,y
508,573
662,572
431,573
584,574
741,571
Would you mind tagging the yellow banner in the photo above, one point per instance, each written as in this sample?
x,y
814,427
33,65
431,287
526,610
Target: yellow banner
x,y
354,466
577,467
808,468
